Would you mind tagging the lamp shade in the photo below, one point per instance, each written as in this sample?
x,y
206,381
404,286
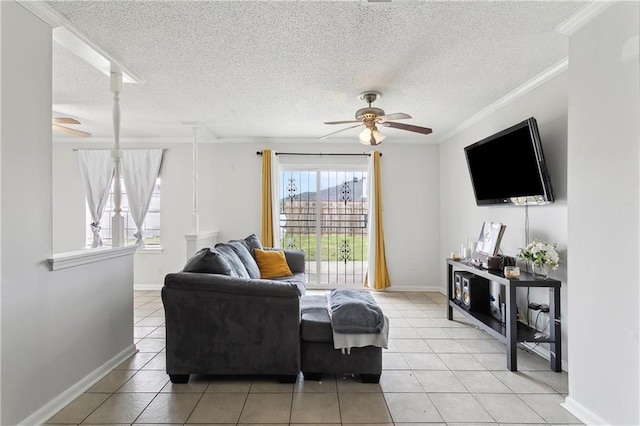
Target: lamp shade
x,y
368,134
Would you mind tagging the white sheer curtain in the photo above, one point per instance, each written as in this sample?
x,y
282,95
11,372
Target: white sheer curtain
x,y
140,168
275,197
96,169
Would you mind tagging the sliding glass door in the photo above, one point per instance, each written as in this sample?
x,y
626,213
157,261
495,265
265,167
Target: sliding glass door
x,y
324,212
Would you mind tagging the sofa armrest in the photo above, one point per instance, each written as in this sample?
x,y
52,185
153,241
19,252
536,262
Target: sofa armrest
x,y
295,260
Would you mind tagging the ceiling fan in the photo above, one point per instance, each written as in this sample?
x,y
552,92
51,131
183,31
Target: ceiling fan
x,y
370,116
56,125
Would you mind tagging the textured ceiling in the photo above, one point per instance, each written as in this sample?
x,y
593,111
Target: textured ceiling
x,y
279,69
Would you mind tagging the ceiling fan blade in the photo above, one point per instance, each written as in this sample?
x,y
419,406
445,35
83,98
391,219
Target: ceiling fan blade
x,y
409,127
394,116
341,130
73,132
64,120
342,122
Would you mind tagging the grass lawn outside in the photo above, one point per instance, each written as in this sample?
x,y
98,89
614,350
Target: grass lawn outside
x,y
332,245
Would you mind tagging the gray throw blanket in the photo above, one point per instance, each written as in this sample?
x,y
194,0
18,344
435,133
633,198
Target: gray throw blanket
x,y
354,311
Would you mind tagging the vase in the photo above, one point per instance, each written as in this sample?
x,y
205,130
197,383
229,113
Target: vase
x,y
539,271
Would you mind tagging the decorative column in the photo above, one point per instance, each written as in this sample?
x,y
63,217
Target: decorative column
x,y
197,239
195,214
117,222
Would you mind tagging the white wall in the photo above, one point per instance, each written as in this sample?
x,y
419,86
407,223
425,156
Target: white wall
x,y
603,182
462,218
229,202
410,197
56,327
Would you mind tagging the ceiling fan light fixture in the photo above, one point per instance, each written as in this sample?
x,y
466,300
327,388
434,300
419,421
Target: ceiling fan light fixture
x,y
370,135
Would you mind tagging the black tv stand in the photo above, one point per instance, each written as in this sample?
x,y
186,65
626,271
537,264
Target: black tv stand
x,y
512,331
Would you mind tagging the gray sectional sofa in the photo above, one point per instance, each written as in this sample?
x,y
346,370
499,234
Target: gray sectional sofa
x,y
223,319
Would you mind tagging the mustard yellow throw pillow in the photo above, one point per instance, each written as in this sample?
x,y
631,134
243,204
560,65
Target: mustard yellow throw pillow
x,y
272,263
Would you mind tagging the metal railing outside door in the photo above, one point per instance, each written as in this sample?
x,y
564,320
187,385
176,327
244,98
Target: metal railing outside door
x,y
325,213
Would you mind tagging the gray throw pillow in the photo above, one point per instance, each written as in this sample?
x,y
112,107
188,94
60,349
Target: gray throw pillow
x,y
237,268
253,242
240,247
208,261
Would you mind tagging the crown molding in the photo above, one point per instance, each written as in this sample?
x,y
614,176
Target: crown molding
x,y
568,27
582,17
537,81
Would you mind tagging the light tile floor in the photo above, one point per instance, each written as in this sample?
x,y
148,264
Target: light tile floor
x,y
435,372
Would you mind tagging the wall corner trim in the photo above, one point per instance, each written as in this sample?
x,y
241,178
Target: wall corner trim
x,y
82,257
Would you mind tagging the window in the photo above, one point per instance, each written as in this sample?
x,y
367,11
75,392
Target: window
x,y
151,226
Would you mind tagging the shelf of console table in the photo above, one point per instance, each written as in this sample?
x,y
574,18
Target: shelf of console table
x,y
512,331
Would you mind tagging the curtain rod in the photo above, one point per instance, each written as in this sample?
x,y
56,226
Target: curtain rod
x,y
368,154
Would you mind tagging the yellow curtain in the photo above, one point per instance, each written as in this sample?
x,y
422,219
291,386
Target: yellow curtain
x,y
266,236
380,273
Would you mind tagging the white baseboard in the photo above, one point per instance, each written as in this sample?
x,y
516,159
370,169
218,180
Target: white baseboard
x,y
66,397
147,287
585,415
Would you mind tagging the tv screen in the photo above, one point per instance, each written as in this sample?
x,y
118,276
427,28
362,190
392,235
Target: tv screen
x,y
509,167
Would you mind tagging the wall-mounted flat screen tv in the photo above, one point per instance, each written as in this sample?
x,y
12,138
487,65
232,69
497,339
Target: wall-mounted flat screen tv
x,y
509,167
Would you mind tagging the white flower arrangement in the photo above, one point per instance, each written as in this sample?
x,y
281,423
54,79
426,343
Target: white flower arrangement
x,y
540,253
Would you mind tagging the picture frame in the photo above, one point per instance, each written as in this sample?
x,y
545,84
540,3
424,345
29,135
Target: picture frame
x,y
490,237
